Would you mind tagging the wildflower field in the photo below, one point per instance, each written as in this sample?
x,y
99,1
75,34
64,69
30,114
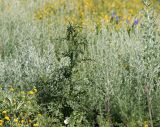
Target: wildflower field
x,y
80,63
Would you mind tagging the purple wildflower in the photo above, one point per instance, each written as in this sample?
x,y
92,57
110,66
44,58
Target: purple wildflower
x,y
136,22
113,14
117,18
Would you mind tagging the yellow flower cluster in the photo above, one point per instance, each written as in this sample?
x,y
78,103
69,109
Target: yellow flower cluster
x,y
99,12
16,111
47,11
32,92
5,118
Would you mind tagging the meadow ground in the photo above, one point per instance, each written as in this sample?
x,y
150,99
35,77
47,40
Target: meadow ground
x,y
79,63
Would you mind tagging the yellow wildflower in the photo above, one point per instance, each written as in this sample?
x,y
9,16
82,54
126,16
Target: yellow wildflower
x,y
22,121
7,118
39,15
35,125
30,92
16,120
131,11
29,121
4,112
39,115
35,90
106,18
1,122
145,124
88,4
19,125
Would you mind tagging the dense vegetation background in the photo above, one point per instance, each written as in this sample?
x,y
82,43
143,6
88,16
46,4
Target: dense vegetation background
x,y
79,63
